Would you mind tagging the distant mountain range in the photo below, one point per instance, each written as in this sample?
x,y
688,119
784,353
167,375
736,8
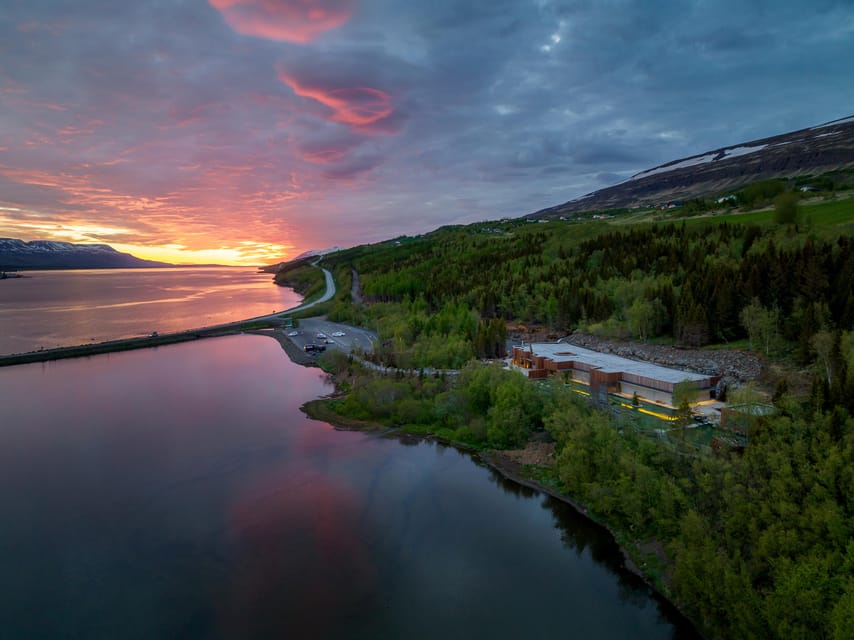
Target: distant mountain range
x,y
812,151
45,254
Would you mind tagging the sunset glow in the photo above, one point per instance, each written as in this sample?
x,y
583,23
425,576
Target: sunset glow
x,y
354,106
250,131
259,254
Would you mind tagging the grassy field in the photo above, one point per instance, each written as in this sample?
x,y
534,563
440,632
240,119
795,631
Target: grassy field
x,y
834,215
827,217
838,212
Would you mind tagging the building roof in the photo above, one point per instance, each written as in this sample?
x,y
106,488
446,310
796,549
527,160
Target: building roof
x,y
609,363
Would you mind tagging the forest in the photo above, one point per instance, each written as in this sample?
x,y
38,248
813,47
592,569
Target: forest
x,y
782,289
750,542
753,543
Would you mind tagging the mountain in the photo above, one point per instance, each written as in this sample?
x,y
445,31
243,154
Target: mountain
x,y
313,253
826,147
45,254
304,257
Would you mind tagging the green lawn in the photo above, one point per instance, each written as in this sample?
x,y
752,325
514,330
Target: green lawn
x,y
835,212
834,215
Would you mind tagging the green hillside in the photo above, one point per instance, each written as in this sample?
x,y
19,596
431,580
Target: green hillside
x,y
750,542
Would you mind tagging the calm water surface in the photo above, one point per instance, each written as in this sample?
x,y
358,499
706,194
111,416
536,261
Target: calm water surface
x,y
179,493
48,309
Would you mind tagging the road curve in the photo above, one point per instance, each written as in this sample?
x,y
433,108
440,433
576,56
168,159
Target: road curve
x,y
330,291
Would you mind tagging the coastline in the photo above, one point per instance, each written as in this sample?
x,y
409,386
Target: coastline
x,y
113,346
269,321
317,409
296,355
508,469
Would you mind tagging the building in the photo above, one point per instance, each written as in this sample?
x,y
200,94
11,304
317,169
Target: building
x,y
600,373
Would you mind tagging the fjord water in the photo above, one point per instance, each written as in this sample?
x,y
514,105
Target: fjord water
x,y
48,309
179,492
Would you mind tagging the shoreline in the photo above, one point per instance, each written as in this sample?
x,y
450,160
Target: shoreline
x,y
270,321
317,409
294,353
509,470
113,346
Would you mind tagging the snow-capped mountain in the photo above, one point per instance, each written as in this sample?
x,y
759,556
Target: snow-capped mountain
x,y
826,147
47,254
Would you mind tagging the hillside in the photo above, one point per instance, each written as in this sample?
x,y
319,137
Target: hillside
x,y
813,151
44,254
748,532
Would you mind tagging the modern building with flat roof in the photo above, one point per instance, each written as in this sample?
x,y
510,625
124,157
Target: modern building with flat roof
x,y
607,372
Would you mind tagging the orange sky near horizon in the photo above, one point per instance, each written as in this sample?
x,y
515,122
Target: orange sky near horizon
x,y
262,255
199,185
197,249
246,132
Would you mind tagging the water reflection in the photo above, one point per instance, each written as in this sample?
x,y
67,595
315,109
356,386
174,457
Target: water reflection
x,y
585,538
179,492
47,309
299,549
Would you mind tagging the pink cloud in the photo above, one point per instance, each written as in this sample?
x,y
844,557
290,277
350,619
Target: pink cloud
x,y
357,107
289,20
323,156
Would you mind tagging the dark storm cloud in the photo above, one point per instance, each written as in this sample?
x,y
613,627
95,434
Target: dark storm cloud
x,y
356,120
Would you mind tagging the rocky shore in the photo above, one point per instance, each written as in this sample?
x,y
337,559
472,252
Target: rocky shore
x,y
297,355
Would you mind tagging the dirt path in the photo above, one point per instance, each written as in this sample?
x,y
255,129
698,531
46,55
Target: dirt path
x,y
355,289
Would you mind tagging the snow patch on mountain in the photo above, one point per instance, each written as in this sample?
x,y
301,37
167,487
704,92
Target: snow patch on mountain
x,y
50,254
314,253
41,246
714,156
833,123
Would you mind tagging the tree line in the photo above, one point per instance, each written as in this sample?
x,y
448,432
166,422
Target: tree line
x,y
752,543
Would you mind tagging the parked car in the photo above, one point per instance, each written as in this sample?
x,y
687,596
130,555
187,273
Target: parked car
x,y
339,334
320,336
310,347
293,333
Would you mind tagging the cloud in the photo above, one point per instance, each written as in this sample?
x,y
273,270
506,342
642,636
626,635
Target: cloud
x,y
297,21
358,107
324,155
163,118
350,167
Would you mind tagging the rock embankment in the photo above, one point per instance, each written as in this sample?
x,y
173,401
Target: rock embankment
x,y
297,355
737,367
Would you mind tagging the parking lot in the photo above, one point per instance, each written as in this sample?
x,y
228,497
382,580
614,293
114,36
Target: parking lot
x,y
353,338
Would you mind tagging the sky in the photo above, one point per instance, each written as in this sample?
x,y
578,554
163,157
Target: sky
x,y
249,131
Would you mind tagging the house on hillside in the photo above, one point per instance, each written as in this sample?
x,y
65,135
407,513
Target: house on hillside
x,y
596,373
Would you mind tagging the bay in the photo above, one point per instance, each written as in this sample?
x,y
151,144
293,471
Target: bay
x,y
48,309
180,492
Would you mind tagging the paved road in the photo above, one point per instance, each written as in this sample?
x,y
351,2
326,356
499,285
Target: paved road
x,y
330,291
309,328
353,338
